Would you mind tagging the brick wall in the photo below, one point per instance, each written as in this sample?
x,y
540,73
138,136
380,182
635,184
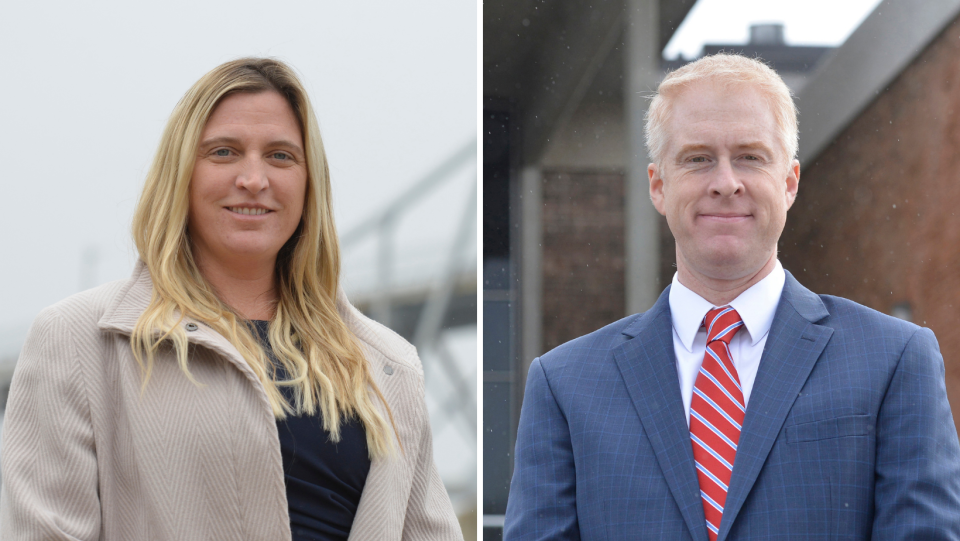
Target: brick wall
x,y
583,264
877,219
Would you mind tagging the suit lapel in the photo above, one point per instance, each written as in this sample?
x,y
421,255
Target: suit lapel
x,y
793,346
648,366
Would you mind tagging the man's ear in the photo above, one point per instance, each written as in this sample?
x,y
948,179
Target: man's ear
x,y
793,182
656,187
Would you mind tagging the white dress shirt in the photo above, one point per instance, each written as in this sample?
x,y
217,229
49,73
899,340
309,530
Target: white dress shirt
x,y
756,307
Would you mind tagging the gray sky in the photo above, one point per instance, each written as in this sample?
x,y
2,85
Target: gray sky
x,y
806,22
88,87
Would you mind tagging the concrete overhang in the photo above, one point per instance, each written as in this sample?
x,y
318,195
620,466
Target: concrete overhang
x,y
539,56
515,33
854,74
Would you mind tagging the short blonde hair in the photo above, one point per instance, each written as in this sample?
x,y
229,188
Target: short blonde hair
x,y
727,69
327,368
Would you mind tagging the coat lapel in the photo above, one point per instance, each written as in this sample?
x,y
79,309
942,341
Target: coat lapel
x,y
122,314
793,346
649,369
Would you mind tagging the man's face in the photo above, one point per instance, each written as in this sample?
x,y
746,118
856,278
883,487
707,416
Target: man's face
x,y
724,182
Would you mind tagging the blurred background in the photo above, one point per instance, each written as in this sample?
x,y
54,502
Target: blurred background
x,y
570,239
87,88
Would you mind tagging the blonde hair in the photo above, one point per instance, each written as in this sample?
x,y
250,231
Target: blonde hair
x,y
727,69
326,367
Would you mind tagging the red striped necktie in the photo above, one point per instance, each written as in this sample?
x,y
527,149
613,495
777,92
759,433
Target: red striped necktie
x,y
716,415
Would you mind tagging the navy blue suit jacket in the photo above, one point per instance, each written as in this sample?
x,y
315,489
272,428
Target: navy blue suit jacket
x,y
848,434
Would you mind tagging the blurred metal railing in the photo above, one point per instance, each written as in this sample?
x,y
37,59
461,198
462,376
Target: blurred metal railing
x,y
384,223
459,405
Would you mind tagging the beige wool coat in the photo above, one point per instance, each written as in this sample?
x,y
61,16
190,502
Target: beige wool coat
x,y
86,456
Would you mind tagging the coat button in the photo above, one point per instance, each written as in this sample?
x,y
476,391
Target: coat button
x,y
191,326
388,370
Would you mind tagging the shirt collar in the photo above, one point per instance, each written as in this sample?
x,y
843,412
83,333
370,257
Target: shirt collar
x,y
756,306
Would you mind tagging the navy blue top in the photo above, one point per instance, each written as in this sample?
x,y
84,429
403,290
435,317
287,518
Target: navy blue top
x,y
324,480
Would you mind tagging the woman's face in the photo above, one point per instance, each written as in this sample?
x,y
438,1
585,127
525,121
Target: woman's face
x,y
249,182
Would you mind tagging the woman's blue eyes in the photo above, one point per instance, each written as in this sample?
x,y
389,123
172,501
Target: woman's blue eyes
x,y
225,153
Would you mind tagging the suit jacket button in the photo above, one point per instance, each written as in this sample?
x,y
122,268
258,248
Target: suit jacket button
x,y
191,326
388,370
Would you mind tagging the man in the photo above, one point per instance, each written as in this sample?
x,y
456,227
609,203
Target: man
x,y
741,405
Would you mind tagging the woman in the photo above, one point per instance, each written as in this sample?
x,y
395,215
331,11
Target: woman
x,y
227,390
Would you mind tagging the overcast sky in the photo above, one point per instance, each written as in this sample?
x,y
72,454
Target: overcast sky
x,y
806,22
88,87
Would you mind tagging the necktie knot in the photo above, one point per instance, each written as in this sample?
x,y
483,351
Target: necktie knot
x,y
722,324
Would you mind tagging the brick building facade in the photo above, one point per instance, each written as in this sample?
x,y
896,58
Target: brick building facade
x,y
583,281
877,218
583,256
